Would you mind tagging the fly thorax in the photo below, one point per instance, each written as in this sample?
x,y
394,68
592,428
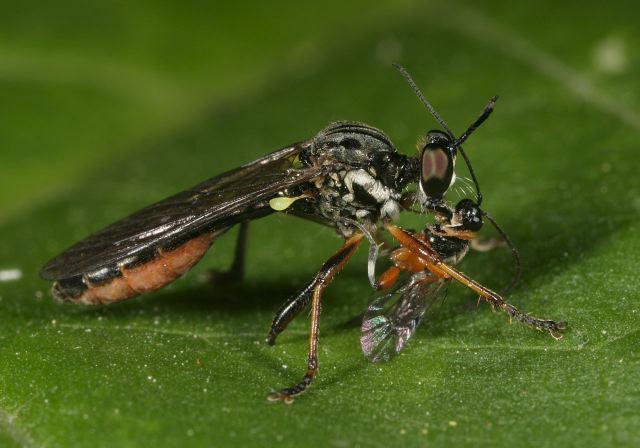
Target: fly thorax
x,y
366,193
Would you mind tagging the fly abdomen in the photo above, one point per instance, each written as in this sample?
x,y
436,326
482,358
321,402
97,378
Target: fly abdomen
x,y
116,283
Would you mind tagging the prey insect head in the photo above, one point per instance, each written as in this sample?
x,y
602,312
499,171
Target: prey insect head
x,y
469,215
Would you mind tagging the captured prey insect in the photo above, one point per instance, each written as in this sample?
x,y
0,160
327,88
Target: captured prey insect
x,y
429,257
349,177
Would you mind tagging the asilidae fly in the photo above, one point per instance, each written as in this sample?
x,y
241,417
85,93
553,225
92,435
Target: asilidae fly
x,y
349,177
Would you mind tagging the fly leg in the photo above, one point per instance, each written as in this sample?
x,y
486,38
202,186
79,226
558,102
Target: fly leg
x,y
434,263
327,272
290,310
235,273
552,327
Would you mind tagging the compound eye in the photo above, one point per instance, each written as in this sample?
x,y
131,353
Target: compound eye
x,y
439,138
437,170
470,215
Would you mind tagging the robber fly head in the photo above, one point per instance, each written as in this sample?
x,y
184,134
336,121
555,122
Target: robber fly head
x,y
437,165
438,156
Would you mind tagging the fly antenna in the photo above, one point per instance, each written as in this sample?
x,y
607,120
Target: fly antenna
x,y
481,119
457,141
423,100
514,252
465,135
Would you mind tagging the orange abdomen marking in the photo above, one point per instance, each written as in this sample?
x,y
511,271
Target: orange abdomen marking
x,y
163,269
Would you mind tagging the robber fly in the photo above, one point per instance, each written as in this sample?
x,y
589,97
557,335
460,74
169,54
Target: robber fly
x,y
349,177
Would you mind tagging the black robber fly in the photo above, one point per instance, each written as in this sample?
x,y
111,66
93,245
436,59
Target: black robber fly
x,y
349,177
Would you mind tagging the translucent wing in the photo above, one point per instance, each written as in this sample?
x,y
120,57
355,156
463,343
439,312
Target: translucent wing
x,y
213,205
393,318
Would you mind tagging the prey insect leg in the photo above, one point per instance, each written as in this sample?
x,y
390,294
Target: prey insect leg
x,y
488,244
388,278
552,327
327,272
434,263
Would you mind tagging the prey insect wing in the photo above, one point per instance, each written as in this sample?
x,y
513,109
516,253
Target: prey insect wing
x,y
393,318
209,207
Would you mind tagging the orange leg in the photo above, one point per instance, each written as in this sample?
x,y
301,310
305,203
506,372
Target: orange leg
x,y
388,278
328,271
434,263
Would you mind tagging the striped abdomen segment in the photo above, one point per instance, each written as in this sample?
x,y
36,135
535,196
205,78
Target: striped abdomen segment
x,y
159,271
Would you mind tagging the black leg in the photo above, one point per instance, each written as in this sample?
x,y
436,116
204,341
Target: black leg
x,y
237,266
328,271
235,273
290,310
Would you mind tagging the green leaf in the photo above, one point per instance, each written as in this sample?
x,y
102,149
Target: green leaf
x,y
108,108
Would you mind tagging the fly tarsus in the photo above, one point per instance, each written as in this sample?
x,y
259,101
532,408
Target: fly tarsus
x,y
288,394
552,327
322,279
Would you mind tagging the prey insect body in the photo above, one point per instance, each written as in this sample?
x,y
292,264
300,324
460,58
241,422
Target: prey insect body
x,y
428,260
349,177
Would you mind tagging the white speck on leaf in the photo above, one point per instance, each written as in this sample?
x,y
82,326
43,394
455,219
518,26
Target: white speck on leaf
x,y
8,275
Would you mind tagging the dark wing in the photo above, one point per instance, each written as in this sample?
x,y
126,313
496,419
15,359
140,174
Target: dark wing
x,y
216,204
393,318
